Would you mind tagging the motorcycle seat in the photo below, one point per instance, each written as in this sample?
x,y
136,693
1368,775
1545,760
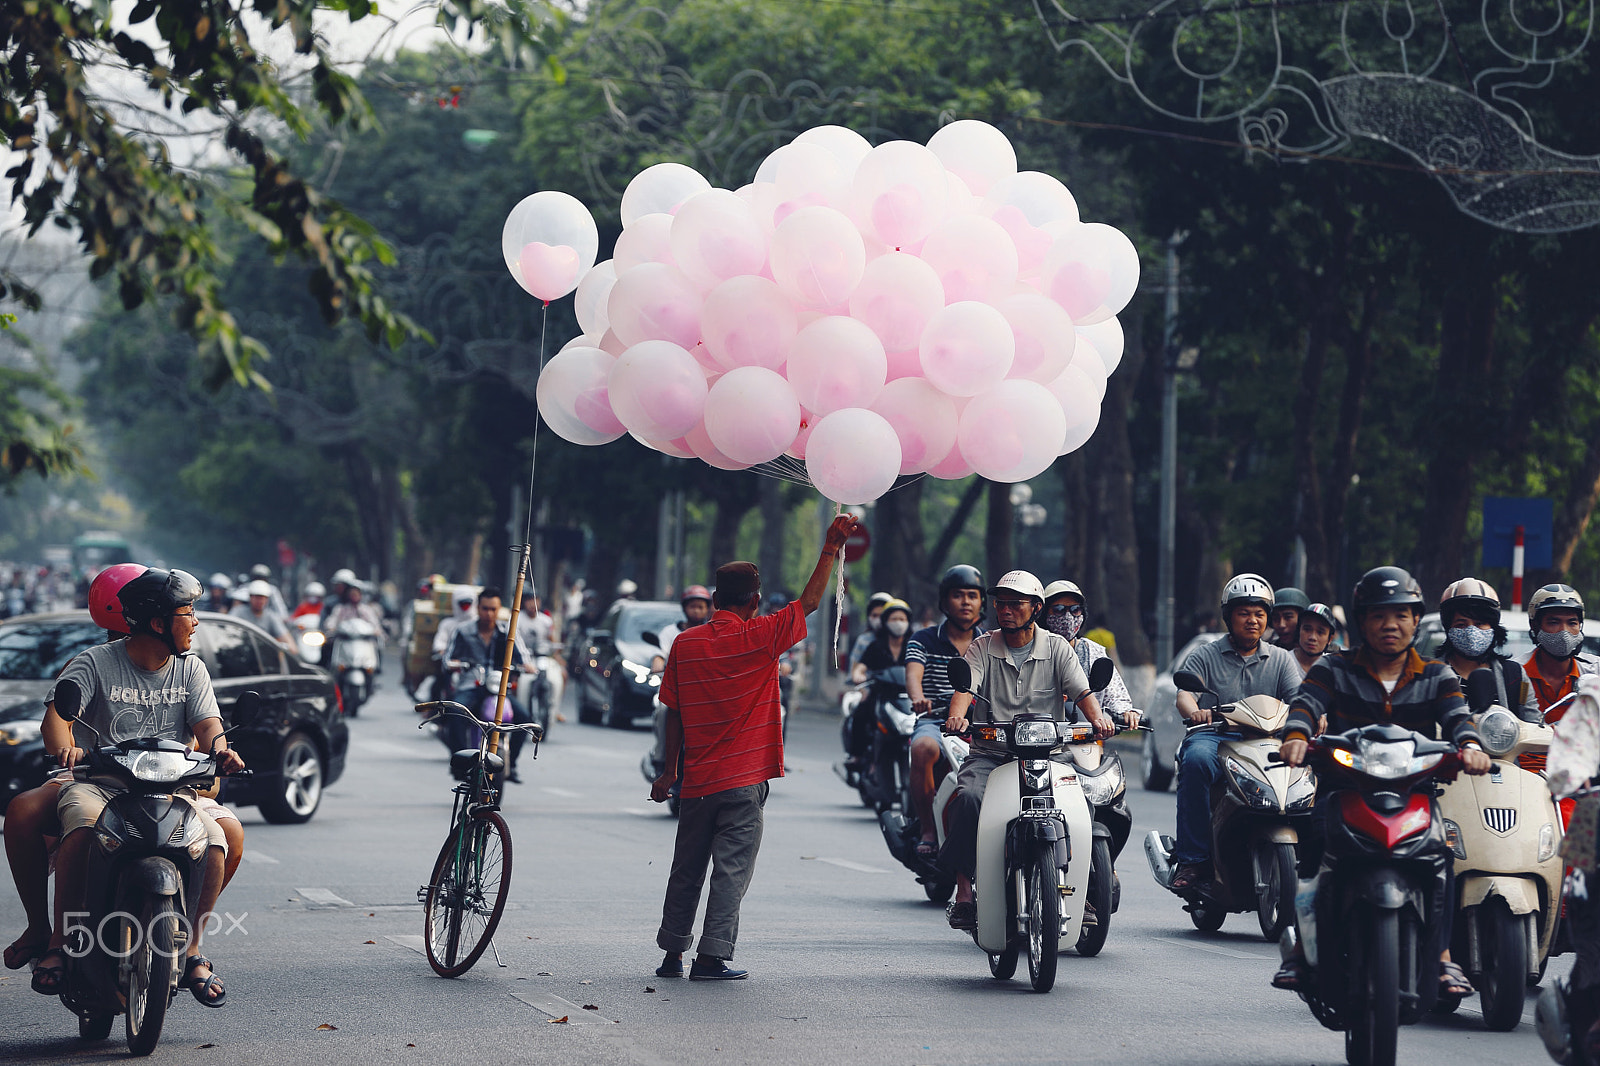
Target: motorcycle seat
x,y
464,763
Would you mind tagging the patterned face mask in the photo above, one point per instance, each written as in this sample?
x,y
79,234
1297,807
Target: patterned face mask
x,y
1562,644
1064,619
1470,640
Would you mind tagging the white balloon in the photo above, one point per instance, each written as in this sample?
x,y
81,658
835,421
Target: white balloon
x,y
1039,197
716,236
648,240
1078,435
852,456
975,151
1013,432
1107,340
589,302
663,187
549,241
847,146
574,383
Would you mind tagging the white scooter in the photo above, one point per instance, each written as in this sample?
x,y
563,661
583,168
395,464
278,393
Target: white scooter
x,y
308,637
1504,828
355,662
1031,880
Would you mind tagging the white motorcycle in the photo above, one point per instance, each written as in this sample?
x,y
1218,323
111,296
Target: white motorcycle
x,y
1504,828
355,662
1031,881
308,637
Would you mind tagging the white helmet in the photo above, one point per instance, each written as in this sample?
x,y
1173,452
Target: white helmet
x,y
1063,588
315,591
1020,581
259,588
626,587
221,581
343,576
1246,589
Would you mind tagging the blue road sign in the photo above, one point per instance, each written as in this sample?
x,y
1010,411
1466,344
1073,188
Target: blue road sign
x,y
1501,517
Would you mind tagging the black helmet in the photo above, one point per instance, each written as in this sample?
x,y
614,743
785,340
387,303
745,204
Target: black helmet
x,y
1291,597
157,594
961,576
1386,586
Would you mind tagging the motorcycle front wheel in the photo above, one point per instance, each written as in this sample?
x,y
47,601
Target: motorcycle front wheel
x,y
1502,986
1374,1033
1101,877
152,965
1043,897
1276,883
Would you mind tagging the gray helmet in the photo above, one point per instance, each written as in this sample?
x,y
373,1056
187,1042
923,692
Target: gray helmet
x,y
1291,597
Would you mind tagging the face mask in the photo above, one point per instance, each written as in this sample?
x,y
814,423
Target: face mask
x,y
872,622
1470,640
1563,645
899,626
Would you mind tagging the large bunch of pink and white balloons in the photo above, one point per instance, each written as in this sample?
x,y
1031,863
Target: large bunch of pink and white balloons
x,y
871,311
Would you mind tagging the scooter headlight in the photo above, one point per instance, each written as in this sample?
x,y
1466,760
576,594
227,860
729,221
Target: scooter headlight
x,y
1256,792
1100,789
156,767
313,638
1389,759
1547,842
1034,734
1499,731
1302,791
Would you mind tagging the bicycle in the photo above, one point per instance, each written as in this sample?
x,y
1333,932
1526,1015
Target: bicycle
x,y
463,900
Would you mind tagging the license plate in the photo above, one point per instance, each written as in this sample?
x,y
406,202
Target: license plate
x,y
1040,812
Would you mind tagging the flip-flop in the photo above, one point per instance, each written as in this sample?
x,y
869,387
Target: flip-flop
x,y
1453,980
50,980
201,986
22,951
927,849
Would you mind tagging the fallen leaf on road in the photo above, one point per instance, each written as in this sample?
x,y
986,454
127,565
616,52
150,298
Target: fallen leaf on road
x,y
370,914
325,1025
559,1021
411,1045
590,1006
369,941
647,988
201,1047
544,973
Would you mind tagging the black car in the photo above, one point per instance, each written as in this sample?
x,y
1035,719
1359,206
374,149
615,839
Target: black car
x,y
296,745
615,682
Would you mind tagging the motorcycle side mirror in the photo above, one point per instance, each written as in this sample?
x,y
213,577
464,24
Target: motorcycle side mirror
x,y
1100,674
960,675
245,709
1188,681
68,700
649,637
1481,689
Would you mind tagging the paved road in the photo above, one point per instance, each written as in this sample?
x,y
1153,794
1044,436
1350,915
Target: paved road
x,y
850,964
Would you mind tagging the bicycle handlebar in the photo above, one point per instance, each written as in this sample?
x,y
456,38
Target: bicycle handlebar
x,y
444,707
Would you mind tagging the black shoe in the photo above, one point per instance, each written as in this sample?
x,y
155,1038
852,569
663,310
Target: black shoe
x,y
700,971
671,966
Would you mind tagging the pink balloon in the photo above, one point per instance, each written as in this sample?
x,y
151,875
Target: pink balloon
x,y
657,390
1032,243
752,415
748,321
804,175
966,348
835,363
900,192
572,396
847,146
808,422
678,449
548,241
1044,334
817,257
952,467
1121,260
973,256
699,442
655,302
975,151
715,236
1013,432
906,364
1077,274
611,344
924,420
897,296
853,456
648,240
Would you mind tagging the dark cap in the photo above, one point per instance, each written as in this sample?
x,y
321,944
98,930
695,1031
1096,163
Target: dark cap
x,y
736,584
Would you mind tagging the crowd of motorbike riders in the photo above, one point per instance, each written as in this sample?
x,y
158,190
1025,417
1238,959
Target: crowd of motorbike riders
x,y
1330,679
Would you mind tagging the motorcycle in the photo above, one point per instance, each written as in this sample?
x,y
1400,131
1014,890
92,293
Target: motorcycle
x,y
1369,921
355,662
308,637
1503,829
851,775
1030,881
145,884
1259,808
476,688
902,829
1105,786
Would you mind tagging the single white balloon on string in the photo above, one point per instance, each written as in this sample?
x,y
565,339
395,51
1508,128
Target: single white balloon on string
x,y
662,188
549,241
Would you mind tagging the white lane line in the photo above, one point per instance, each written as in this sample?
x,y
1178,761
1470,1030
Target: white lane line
x,y
557,1007
564,793
412,942
1215,949
641,811
846,864
258,856
324,896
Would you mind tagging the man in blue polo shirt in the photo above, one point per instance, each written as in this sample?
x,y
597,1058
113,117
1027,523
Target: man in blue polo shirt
x,y
928,655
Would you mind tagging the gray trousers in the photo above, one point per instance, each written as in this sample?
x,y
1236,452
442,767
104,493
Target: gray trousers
x,y
722,830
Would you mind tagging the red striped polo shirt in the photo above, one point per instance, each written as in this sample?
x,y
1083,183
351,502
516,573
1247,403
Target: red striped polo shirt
x,y
722,678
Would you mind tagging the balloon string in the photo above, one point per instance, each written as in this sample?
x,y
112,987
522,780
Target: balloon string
x,y
838,597
533,465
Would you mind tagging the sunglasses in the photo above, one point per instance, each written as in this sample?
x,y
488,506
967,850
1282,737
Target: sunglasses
x,y
1059,609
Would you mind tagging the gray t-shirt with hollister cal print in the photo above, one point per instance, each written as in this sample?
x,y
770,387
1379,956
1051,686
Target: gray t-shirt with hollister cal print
x,y
122,701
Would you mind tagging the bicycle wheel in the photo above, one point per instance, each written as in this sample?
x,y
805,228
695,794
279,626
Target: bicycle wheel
x,y
467,894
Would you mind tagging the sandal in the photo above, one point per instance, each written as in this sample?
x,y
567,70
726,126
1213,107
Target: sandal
x,y
1189,875
1453,980
962,915
24,950
1291,975
202,986
928,850
50,980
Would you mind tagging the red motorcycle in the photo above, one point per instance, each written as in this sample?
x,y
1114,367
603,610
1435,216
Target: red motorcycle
x,y
1370,921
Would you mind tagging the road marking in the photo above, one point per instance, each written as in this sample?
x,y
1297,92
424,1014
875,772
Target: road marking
x,y
324,897
564,793
1527,1017
557,1007
846,864
412,942
1215,949
259,856
642,812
